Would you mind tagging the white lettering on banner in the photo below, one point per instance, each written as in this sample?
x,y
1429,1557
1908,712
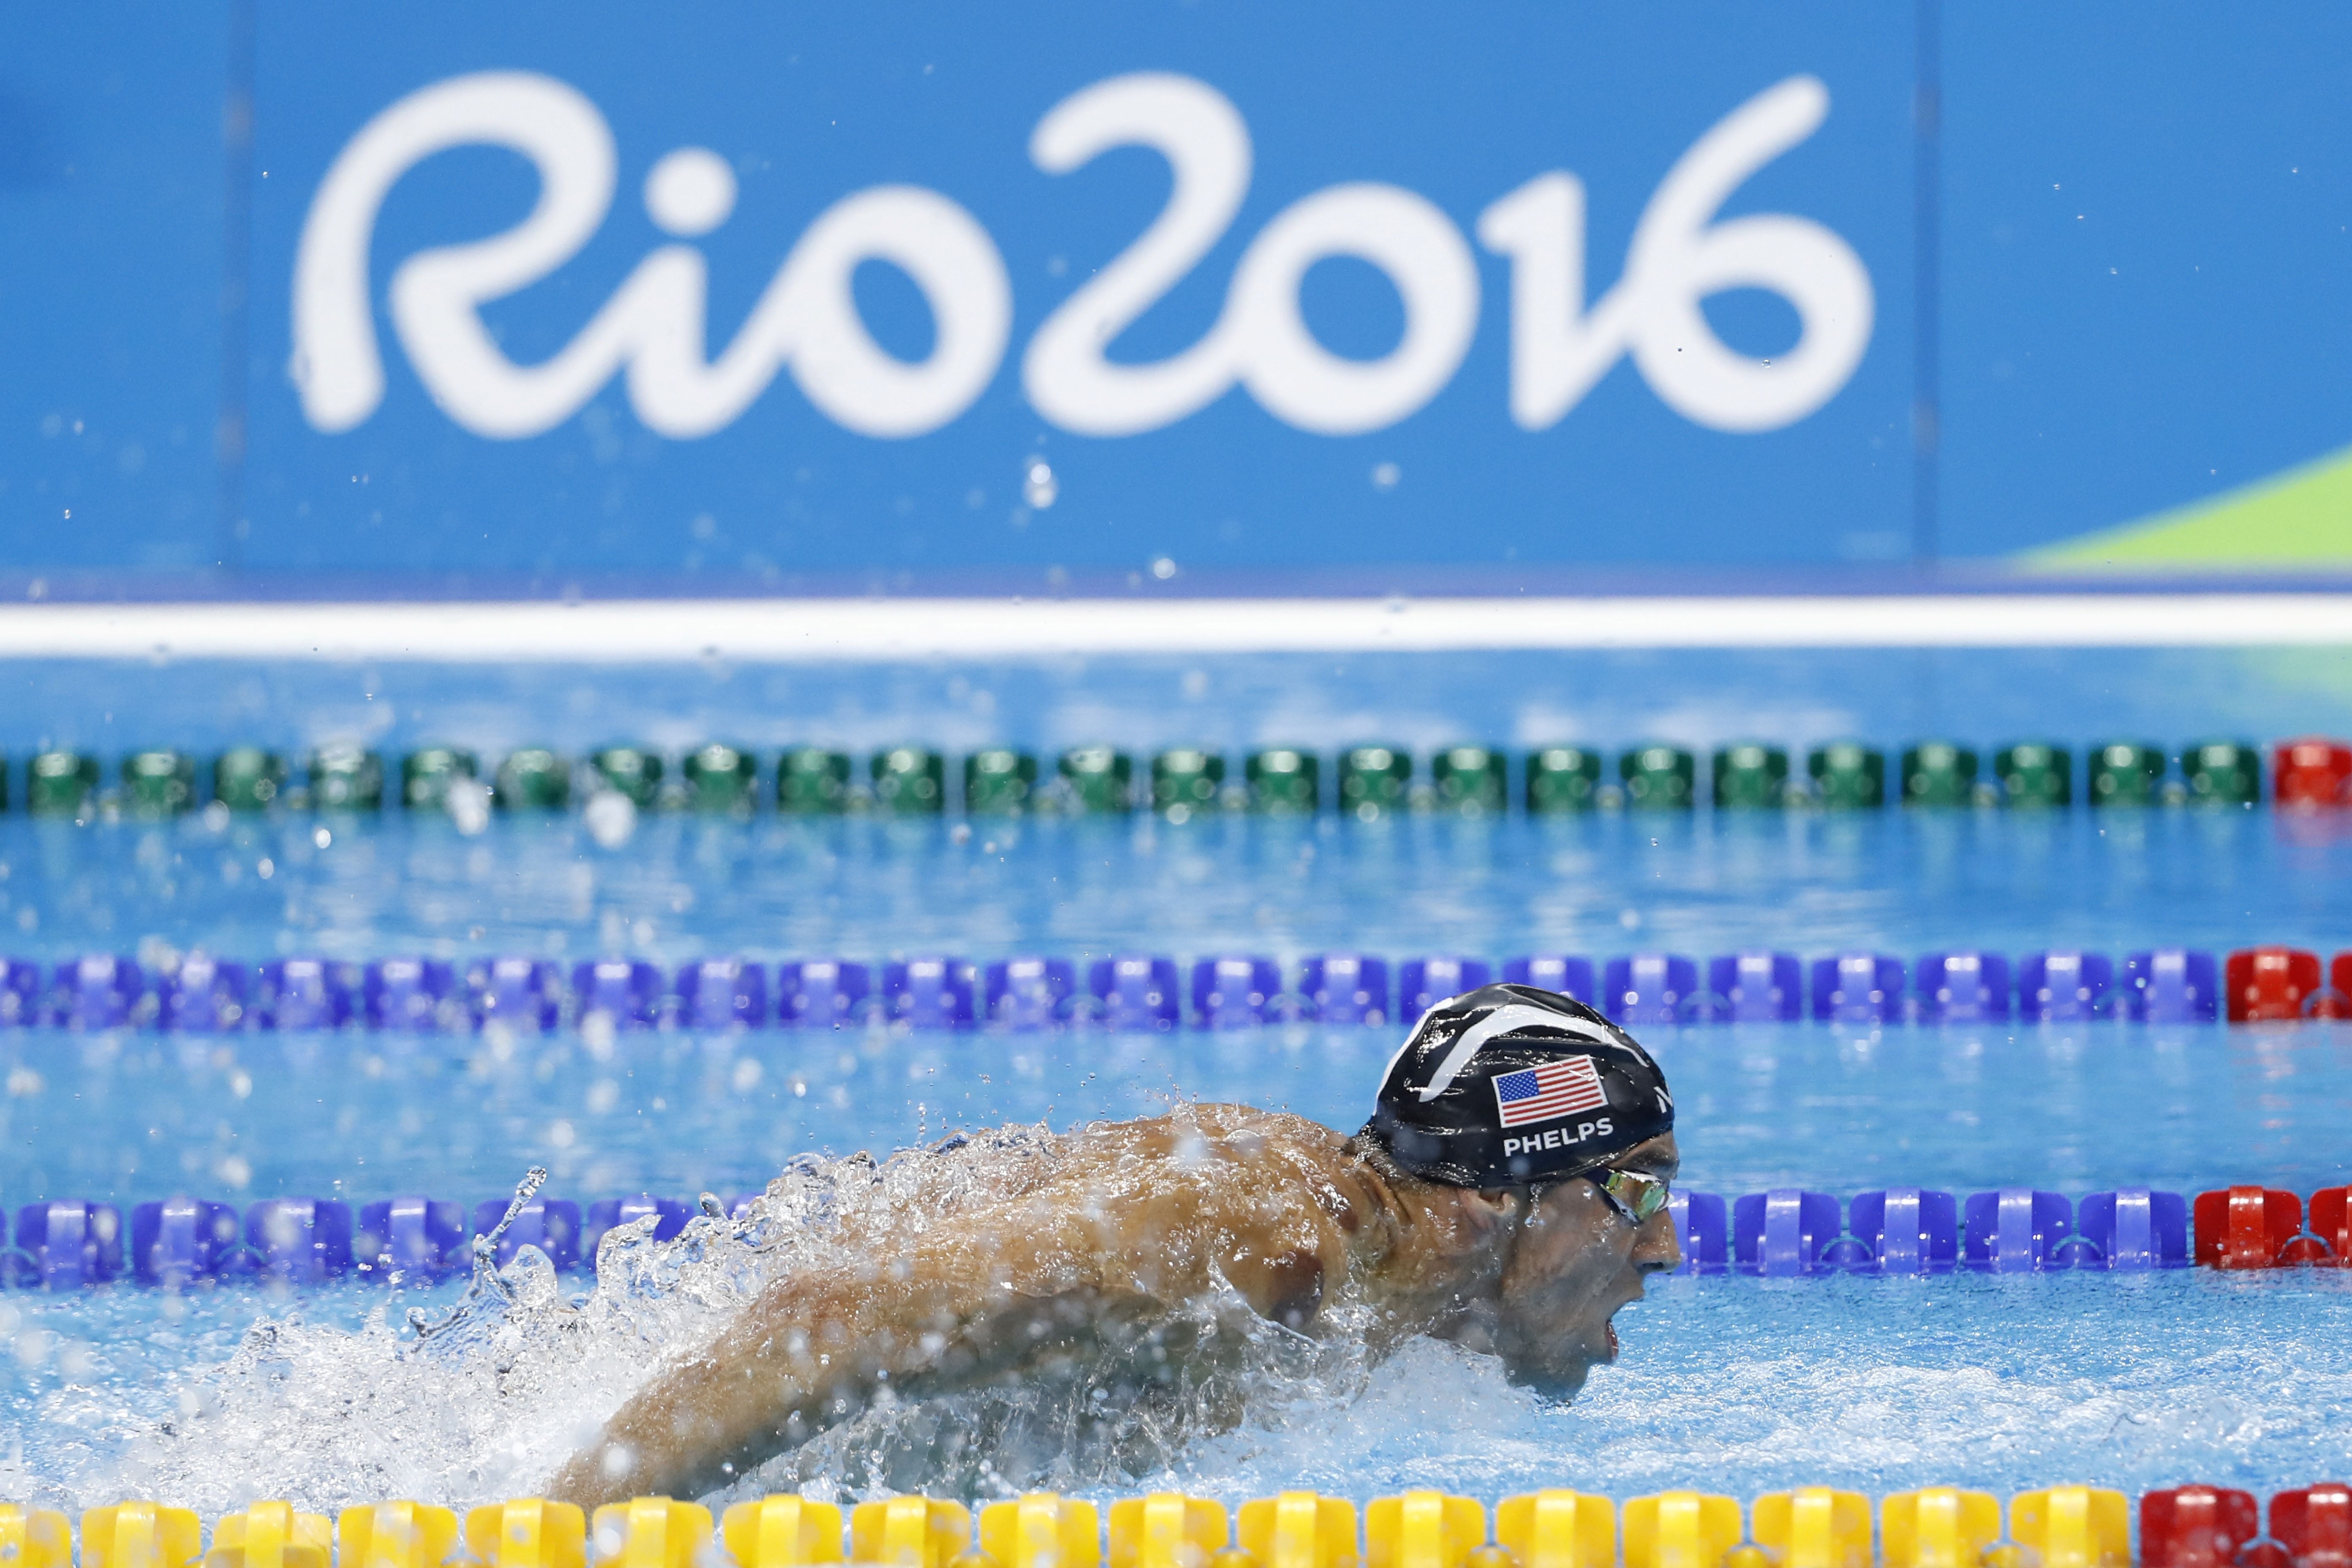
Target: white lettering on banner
x,y
654,325
1558,350
653,328
1260,339
1199,132
336,366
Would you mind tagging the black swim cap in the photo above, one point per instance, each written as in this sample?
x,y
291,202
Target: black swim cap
x,y
1509,1085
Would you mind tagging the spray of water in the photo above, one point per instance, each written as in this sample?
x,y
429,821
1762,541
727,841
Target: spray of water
x,y
487,1399
1744,1386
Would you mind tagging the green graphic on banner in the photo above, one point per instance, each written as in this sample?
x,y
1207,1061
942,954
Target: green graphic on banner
x,y
2296,519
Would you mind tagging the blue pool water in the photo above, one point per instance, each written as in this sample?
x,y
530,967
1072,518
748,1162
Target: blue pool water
x,y
681,887
1744,1384
1739,1383
1734,1383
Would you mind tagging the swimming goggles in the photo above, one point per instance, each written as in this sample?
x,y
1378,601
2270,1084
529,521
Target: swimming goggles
x,y
1636,1196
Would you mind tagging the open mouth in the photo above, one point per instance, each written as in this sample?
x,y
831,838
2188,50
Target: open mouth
x,y
1612,1340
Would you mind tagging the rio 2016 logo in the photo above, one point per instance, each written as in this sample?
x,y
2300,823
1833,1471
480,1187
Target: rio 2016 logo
x,y
806,321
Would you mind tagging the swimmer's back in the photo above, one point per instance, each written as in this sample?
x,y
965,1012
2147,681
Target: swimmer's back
x,y
1168,1206
1212,1142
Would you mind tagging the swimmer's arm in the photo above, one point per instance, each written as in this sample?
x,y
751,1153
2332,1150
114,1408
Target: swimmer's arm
x,y
945,1314
800,1355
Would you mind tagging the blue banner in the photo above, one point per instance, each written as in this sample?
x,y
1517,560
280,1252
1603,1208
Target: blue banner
x,y
804,292
112,250
804,299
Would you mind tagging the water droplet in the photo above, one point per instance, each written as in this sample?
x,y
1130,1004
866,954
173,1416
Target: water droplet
x,y
1038,486
468,804
611,817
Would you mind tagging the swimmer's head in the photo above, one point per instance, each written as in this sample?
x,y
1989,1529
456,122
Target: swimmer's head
x,y
1558,1125
1508,1085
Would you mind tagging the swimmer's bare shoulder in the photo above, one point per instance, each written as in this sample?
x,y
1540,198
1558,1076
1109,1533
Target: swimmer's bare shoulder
x,y
1273,1204
1127,1219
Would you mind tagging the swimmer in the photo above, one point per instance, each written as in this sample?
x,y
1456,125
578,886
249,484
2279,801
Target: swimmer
x,y
1508,1194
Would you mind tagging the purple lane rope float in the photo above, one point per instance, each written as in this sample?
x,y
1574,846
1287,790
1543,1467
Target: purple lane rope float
x,y
1785,1233
198,993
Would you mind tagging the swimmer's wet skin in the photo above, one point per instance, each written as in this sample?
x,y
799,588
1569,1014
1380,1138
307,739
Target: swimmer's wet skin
x,y
1508,1194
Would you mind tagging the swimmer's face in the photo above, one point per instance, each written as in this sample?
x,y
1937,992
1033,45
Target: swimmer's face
x,y
1576,1260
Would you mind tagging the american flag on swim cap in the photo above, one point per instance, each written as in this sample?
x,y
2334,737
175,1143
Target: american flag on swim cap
x,y
1549,1090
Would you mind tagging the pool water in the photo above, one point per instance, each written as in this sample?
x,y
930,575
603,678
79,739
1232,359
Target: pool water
x,y
1743,1384
221,1395
679,887
121,1117
1734,1383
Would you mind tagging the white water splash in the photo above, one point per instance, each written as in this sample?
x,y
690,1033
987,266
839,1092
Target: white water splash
x,y
1730,1385
489,1402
